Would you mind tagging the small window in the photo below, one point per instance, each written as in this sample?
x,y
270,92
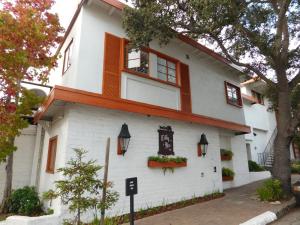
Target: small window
x,y
51,155
67,57
233,94
137,60
166,70
258,97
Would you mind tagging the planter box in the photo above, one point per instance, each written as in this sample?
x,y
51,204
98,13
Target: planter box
x,y
226,178
226,158
155,164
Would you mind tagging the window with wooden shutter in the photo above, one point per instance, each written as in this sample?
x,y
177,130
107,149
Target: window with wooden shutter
x,y
51,155
186,103
112,61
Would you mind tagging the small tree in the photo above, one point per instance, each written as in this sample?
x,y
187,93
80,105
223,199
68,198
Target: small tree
x,y
80,189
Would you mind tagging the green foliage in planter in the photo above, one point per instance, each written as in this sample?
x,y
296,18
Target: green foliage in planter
x,y
164,159
254,167
295,167
25,201
225,152
226,172
270,191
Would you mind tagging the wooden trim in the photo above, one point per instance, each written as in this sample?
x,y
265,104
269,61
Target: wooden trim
x,y
64,64
226,158
155,164
111,86
98,100
149,77
240,101
51,155
227,178
249,98
185,91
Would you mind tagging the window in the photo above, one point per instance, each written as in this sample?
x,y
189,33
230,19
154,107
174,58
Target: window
x,y
67,57
233,94
51,155
258,97
137,60
166,70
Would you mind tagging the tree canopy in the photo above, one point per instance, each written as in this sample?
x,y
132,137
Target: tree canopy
x,y
260,36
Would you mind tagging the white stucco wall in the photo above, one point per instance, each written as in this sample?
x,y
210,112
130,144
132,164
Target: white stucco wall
x,y
22,164
207,76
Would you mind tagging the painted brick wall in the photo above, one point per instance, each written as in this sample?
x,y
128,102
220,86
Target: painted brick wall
x,y
22,160
89,127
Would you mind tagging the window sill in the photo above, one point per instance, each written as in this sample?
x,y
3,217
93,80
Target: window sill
x,y
234,104
147,76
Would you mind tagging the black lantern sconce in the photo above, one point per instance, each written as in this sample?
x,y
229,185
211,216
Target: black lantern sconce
x,y
202,146
123,139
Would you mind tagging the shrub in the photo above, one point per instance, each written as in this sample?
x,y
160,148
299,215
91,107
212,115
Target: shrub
x,y
295,167
25,201
227,172
225,152
270,191
165,159
254,167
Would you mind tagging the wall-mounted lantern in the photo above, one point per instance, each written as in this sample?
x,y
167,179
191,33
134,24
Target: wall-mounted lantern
x,y
202,145
123,140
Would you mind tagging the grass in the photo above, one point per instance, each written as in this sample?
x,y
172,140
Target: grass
x,y
4,216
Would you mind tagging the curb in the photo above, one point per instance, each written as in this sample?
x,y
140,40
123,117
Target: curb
x,y
269,217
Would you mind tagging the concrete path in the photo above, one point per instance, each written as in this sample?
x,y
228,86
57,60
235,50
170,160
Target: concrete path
x,y
292,218
239,205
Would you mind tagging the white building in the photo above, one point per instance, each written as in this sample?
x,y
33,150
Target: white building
x,y
262,120
102,85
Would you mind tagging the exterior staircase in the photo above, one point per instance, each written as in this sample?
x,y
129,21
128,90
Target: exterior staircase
x,y
266,158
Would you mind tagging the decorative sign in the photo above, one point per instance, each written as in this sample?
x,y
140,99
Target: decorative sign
x,y
131,186
165,136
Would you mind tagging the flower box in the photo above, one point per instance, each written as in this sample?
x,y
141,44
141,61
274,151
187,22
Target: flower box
x,y
226,157
155,164
227,178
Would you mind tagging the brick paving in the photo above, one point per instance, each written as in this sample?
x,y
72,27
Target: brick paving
x,y
239,205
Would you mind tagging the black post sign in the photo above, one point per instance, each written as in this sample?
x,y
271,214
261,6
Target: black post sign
x,y
131,190
165,137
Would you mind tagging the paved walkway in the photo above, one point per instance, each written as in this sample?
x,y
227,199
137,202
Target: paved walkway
x,y
239,205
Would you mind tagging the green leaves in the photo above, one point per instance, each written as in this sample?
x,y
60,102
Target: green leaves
x,y
81,189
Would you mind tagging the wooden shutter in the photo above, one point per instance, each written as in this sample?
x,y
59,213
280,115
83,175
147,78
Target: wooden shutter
x,y
50,167
112,60
186,104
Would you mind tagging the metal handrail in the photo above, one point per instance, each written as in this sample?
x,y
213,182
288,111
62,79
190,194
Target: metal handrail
x,y
267,154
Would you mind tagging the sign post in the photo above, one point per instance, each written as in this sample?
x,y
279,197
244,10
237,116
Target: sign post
x,y
131,190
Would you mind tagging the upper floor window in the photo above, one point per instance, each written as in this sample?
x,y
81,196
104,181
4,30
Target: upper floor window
x,y
51,155
258,97
166,70
233,94
67,57
137,60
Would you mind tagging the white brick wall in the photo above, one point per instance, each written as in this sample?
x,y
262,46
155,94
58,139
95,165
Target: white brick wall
x,y
22,164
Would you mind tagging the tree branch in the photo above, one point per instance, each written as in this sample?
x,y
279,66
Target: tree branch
x,y
295,80
245,65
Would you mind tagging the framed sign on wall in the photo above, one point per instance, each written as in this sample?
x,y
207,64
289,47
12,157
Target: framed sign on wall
x,y
165,140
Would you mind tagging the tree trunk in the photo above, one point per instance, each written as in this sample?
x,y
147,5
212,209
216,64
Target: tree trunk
x,y
78,216
281,168
8,182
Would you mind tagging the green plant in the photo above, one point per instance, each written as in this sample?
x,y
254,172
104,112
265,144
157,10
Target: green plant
x,y
254,167
164,159
225,152
24,201
227,172
270,191
81,189
295,167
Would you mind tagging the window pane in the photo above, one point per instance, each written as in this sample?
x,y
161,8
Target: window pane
x,y
137,60
172,79
161,61
162,76
171,65
134,54
162,69
134,63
